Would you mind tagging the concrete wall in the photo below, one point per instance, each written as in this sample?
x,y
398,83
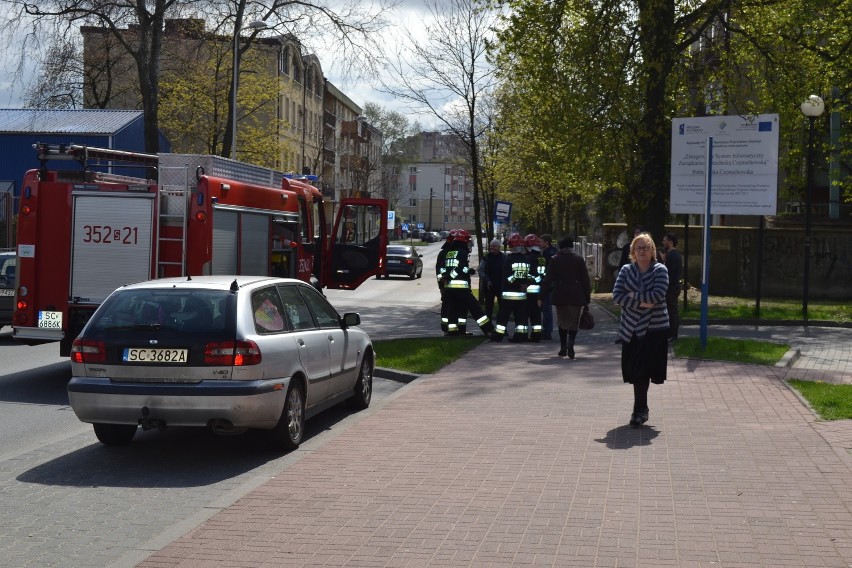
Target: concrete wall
x,y
734,257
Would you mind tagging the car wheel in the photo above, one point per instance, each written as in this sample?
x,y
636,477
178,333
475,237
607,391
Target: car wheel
x,y
290,430
114,434
420,274
413,275
364,385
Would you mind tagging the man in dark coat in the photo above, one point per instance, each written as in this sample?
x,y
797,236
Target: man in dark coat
x,y
568,280
674,264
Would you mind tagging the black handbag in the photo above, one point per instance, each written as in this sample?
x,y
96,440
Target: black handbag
x,y
586,319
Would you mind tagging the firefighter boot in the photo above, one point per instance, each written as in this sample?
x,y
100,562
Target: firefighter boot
x,y
563,342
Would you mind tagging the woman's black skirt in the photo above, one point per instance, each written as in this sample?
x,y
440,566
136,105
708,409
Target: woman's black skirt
x,y
646,358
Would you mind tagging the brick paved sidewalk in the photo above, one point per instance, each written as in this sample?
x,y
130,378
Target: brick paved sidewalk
x,y
514,457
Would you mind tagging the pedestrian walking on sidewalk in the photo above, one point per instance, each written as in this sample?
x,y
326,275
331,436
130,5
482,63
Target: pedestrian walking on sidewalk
x,y
568,282
640,290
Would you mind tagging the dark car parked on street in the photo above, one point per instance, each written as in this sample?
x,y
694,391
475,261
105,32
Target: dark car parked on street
x,y
229,353
430,237
7,287
403,259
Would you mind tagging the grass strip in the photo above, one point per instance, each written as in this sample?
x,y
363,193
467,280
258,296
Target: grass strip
x,y
423,355
737,350
830,401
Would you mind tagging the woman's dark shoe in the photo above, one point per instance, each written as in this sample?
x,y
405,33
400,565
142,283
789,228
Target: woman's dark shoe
x,y
563,352
571,352
635,421
643,417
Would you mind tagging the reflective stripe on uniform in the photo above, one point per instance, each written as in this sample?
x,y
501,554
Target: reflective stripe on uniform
x,y
508,295
457,284
522,329
482,321
533,289
500,329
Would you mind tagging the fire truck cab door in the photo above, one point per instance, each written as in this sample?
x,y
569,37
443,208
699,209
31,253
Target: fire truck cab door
x,y
358,242
112,243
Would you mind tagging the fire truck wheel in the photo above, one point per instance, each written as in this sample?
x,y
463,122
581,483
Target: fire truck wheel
x,y
290,430
114,434
364,385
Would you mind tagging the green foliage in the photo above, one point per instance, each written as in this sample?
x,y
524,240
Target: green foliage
x,y
422,355
193,106
736,350
831,402
588,90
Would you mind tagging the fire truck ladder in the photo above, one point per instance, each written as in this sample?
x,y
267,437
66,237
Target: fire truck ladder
x,y
174,207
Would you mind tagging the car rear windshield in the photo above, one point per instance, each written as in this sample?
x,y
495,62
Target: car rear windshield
x,y
194,310
398,250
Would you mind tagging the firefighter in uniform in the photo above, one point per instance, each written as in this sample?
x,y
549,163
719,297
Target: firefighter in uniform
x,y
513,298
538,269
456,274
439,264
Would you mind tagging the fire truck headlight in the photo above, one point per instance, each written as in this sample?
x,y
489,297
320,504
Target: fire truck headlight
x,y
200,216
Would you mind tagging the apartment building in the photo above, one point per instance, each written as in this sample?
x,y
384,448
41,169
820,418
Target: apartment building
x,y
435,190
290,117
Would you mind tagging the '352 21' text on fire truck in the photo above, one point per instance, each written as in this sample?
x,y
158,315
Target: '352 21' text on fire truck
x,y
83,232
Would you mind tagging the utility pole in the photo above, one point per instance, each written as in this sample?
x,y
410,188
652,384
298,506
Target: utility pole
x,y
431,196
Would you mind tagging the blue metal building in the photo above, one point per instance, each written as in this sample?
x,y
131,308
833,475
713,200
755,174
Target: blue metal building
x,y
21,128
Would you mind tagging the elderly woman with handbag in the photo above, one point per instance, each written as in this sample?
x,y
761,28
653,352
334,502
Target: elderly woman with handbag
x,y
640,290
568,279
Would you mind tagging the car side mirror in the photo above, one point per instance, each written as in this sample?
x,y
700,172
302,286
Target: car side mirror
x,y
351,319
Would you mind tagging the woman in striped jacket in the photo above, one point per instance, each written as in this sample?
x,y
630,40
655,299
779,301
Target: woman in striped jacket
x,y
640,290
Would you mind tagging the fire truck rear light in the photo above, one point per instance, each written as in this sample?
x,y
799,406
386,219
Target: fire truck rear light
x,y
88,351
200,216
232,353
26,210
22,305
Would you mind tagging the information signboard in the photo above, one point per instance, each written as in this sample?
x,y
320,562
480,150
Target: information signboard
x,y
744,162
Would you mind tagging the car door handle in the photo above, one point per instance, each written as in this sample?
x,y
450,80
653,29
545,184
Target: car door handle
x,y
331,338
301,342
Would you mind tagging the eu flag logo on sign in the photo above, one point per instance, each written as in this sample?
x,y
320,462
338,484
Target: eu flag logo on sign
x,y
764,127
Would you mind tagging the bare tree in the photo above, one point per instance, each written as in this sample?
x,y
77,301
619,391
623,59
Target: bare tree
x,y
348,32
447,75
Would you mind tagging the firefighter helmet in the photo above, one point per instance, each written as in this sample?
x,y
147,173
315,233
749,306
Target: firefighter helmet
x,y
452,235
531,240
462,236
515,240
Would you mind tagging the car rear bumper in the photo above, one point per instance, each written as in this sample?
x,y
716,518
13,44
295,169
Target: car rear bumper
x,y
244,404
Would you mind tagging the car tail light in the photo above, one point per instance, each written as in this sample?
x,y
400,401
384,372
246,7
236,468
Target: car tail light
x,y
88,351
232,353
409,261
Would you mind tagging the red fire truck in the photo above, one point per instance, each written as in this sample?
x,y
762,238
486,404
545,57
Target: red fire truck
x,y
84,232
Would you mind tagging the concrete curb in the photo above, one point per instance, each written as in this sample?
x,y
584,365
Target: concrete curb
x,y
789,359
394,375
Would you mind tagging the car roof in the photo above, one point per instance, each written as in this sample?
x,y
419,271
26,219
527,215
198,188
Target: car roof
x,y
217,282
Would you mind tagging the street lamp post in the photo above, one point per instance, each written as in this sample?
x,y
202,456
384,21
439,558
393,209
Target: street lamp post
x,y
235,83
811,108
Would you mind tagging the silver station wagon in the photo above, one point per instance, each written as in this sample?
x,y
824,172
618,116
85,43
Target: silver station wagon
x,y
225,352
